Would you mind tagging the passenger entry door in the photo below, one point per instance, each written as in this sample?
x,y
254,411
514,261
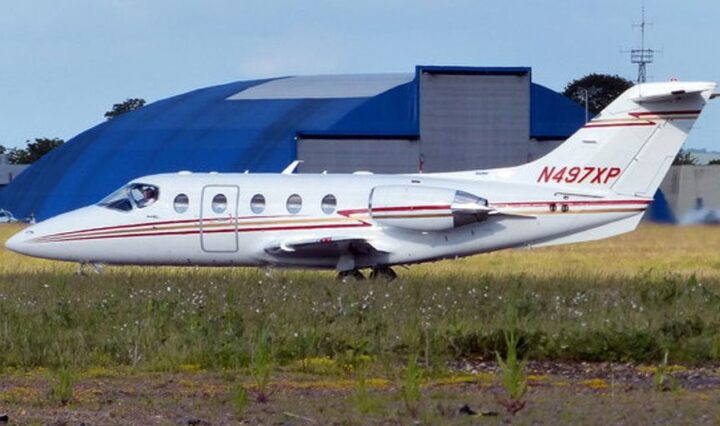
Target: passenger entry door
x,y
218,218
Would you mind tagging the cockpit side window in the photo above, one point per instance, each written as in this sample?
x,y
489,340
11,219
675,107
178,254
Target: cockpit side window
x,y
138,195
143,195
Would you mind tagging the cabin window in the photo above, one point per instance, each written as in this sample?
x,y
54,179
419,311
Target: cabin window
x,y
219,203
181,203
294,203
329,202
257,203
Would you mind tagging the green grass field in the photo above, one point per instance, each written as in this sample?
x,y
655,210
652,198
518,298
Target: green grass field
x,y
629,299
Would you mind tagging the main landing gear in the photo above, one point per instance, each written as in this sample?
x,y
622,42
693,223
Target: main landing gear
x,y
353,273
378,273
383,273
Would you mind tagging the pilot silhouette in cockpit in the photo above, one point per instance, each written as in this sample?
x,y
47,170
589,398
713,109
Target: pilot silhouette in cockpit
x,y
149,196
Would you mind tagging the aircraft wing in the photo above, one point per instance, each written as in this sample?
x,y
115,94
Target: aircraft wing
x,y
324,246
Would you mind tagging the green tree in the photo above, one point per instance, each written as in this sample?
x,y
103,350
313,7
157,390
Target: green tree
x,y
601,90
130,104
34,150
714,162
685,158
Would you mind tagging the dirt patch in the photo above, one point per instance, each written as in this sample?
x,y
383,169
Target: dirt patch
x,y
627,375
568,393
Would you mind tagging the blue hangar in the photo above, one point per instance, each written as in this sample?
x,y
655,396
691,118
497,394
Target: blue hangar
x,y
438,118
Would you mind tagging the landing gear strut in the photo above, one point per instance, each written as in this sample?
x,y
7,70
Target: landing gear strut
x,y
82,268
379,273
353,273
383,273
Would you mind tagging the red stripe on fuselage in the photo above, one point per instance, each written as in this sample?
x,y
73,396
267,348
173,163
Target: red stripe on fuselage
x,y
197,231
410,208
680,112
591,125
638,115
570,203
166,222
79,235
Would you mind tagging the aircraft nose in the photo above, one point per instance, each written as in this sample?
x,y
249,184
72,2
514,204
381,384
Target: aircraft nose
x,y
20,242
44,239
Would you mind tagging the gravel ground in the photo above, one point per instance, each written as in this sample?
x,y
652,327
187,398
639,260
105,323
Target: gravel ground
x,y
560,393
629,375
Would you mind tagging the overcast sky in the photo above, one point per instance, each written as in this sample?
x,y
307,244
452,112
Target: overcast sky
x,y
64,63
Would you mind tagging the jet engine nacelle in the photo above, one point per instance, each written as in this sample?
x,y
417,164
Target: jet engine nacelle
x,y
425,208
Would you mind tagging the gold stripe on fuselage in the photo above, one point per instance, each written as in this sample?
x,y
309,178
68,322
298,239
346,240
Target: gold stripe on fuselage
x,y
230,225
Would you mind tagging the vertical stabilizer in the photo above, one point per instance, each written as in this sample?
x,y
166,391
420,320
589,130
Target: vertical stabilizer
x,y
628,148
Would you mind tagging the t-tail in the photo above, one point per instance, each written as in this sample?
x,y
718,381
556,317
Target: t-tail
x,y
628,148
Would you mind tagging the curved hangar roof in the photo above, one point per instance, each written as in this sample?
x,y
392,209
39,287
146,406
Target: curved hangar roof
x,y
239,126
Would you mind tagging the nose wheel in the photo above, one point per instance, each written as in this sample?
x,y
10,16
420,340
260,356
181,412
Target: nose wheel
x,y
95,267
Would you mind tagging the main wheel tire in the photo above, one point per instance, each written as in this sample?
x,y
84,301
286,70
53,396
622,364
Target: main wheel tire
x,y
354,274
384,273
358,275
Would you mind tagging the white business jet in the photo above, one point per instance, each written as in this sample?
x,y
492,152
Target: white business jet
x,y
595,185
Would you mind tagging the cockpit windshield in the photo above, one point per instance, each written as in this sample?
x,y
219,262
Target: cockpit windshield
x,y
137,195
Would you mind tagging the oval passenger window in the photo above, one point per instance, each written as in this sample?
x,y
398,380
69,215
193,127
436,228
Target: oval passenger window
x,y
329,202
294,203
257,203
181,203
219,203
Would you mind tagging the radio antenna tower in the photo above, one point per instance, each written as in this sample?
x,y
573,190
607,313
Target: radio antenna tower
x,y
642,56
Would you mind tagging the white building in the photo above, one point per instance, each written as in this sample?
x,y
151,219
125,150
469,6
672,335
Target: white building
x,y
8,172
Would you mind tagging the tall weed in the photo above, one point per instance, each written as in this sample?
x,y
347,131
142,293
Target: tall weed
x,y
61,386
511,368
411,386
262,364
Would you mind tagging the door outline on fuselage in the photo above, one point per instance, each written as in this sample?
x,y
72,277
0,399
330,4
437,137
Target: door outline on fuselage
x,y
233,216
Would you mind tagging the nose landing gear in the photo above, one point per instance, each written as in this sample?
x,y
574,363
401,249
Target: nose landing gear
x,y
96,268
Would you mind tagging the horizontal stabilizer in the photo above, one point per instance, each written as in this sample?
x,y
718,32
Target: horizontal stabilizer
x,y
671,96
